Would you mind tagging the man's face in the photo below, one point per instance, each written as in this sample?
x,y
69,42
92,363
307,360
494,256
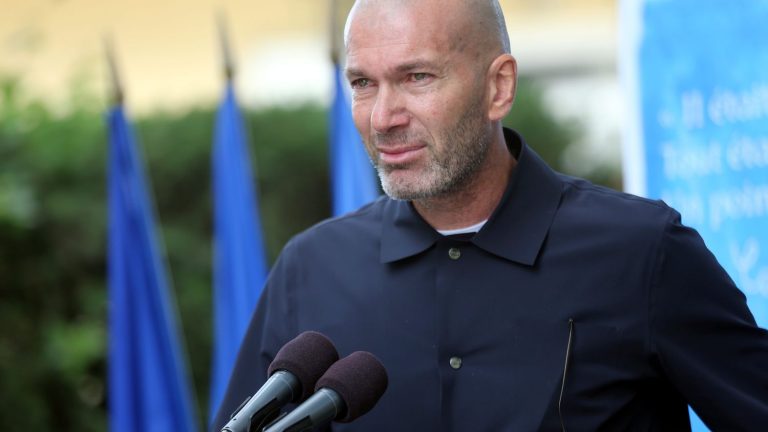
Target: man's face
x,y
418,102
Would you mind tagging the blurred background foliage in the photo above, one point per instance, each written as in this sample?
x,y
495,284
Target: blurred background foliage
x,y
53,292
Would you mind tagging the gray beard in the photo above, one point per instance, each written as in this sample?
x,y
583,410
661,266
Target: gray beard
x,y
448,172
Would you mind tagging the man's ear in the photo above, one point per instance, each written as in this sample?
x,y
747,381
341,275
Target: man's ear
x,y
502,83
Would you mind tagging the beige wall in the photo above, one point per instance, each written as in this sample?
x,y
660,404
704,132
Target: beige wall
x,y
168,51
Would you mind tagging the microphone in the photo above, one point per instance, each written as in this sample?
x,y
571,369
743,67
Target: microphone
x,y
292,376
349,389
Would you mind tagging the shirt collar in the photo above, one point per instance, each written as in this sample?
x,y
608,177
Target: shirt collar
x,y
515,231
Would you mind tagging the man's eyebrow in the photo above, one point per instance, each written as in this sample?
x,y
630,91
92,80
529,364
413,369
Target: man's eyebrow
x,y
416,65
352,72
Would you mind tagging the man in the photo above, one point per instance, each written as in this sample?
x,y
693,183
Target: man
x,y
500,295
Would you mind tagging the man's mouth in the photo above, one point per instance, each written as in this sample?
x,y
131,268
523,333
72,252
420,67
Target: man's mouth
x,y
400,155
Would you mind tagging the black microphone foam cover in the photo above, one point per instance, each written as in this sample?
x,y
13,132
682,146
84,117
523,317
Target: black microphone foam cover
x,y
307,357
360,379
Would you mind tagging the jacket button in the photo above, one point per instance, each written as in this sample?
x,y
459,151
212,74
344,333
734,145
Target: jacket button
x,y
454,253
455,362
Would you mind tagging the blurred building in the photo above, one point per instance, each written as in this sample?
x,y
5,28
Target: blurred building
x,y
571,46
169,55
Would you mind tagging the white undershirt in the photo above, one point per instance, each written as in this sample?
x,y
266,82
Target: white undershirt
x,y
470,229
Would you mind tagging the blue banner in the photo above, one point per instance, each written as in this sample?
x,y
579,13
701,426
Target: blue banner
x,y
701,77
704,85
148,381
352,177
240,264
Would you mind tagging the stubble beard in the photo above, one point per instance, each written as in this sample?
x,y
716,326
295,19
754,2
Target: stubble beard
x,y
447,170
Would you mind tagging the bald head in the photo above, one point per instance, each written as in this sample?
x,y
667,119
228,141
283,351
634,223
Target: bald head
x,y
475,25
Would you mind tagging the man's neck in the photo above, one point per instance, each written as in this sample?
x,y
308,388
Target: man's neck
x,y
476,201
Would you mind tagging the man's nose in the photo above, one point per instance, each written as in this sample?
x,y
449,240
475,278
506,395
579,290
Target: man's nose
x,y
389,111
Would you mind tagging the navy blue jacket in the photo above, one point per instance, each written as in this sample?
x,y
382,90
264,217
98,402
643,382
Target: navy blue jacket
x,y
652,321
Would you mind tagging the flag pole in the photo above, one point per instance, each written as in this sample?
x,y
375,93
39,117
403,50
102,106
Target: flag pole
x,y
117,96
228,62
333,18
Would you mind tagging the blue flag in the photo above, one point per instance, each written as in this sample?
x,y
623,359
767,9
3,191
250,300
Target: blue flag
x,y
352,179
148,382
240,265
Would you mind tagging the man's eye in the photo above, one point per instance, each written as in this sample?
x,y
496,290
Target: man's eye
x,y
361,83
420,76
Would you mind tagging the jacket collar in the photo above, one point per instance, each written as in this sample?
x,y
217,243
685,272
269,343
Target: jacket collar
x,y
515,231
